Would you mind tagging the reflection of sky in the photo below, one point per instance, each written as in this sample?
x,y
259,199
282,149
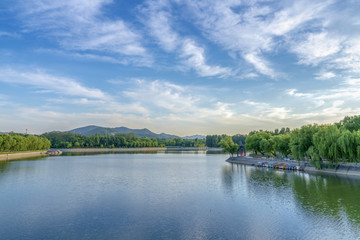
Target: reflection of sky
x,y
156,196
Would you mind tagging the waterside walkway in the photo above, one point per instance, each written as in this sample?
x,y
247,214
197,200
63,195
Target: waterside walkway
x,y
11,156
349,169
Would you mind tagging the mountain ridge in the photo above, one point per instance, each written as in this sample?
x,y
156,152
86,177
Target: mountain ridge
x,y
92,130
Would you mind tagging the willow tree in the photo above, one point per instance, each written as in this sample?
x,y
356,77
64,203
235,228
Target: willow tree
x,y
348,143
281,144
326,142
351,123
301,140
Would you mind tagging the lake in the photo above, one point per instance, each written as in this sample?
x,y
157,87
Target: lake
x,y
171,195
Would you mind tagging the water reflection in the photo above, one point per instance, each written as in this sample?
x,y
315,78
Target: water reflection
x,y
170,196
227,177
3,166
328,195
322,195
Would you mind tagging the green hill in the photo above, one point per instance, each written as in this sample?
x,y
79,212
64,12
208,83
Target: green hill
x,y
92,130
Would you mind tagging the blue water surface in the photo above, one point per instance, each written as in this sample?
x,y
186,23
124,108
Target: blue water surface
x,y
176,195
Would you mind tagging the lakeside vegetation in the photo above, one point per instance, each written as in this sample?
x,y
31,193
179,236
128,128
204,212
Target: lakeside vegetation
x,y
338,142
333,142
14,142
119,140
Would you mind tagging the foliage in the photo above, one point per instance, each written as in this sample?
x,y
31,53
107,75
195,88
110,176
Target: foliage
x,y
22,142
228,145
120,140
332,143
239,139
350,123
326,142
259,142
301,140
281,144
213,140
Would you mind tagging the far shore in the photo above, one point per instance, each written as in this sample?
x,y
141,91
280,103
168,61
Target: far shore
x,y
146,149
347,169
20,155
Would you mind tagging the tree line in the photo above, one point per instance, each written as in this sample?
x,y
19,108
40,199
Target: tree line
x,y
214,140
333,142
120,140
22,142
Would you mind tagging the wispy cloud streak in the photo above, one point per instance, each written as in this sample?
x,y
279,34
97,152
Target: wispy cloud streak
x,y
80,25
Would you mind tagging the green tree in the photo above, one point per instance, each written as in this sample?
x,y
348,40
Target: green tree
x,y
351,123
348,143
281,144
326,142
259,142
301,140
228,145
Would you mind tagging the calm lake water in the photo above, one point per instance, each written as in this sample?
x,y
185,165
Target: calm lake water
x,y
188,195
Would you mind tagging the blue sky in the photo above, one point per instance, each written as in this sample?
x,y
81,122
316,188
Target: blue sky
x,y
181,67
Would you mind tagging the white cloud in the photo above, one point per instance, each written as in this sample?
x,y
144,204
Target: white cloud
x,y
325,75
349,59
353,82
44,81
195,58
83,56
316,48
254,28
163,95
156,16
80,25
294,15
295,93
8,34
168,100
348,89
328,105
260,64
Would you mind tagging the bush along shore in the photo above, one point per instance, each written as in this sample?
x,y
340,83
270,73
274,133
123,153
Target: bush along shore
x,y
348,169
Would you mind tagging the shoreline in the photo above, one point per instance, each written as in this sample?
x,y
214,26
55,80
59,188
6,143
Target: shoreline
x,y
19,155
146,149
344,169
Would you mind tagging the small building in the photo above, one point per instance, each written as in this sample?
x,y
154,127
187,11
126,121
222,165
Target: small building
x,y
241,151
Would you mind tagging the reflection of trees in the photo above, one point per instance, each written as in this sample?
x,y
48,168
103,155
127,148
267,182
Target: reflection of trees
x,y
227,176
328,195
319,194
270,177
3,166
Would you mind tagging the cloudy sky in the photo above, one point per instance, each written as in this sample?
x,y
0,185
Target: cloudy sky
x,y
178,66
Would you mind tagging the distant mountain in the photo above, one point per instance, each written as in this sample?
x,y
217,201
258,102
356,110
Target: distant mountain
x,y
92,130
194,137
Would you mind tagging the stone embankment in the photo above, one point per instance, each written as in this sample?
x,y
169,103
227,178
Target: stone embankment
x,y
147,149
99,150
349,169
11,156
